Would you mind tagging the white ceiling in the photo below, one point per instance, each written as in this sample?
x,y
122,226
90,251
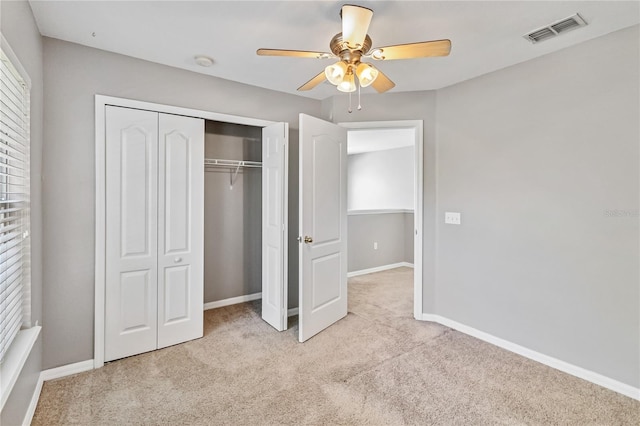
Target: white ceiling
x,y
367,140
485,36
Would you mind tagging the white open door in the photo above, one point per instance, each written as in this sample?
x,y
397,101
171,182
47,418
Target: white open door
x,y
180,229
275,148
323,225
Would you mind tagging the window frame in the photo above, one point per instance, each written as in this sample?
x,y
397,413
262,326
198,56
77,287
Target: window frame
x,y
18,350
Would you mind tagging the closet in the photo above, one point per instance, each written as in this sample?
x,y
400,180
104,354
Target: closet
x,y
245,244
154,230
232,211
189,210
151,226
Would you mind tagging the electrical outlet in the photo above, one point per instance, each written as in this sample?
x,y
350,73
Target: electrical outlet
x,y
375,245
452,218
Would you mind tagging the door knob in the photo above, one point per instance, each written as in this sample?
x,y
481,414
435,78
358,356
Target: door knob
x,y
308,240
177,260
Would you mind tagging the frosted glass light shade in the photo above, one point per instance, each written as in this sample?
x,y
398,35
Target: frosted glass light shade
x,y
367,74
348,83
335,73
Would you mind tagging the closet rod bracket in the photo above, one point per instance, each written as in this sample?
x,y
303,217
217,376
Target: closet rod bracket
x,y
234,175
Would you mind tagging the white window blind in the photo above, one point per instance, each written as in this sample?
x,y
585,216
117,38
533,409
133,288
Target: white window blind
x,y
15,300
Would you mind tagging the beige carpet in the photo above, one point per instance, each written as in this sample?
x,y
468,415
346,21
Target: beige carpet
x,y
377,366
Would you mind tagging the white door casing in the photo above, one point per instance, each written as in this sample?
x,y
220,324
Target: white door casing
x,y
275,148
131,237
180,229
323,225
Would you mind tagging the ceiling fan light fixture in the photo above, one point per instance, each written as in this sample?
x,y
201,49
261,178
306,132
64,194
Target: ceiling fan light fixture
x,y
335,73
348,84
355,24
367,74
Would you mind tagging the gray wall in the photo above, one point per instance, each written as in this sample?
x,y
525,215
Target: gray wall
x,y
19,29
536,157
381,179
232,214
409,227
389,230
294,245
74,75
542,161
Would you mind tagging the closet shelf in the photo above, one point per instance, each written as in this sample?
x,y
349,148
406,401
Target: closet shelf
x,y
235,164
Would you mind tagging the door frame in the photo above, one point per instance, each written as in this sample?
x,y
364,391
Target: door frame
x,y
418,212
101,101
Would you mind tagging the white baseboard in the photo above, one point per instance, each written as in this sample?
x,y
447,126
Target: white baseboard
x,y
50,374
67,370
241,299
379,269
563,366
232,301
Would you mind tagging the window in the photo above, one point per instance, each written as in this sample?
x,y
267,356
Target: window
x,y
15,303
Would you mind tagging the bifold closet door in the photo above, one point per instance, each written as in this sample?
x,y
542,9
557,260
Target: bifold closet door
x,y
154,230
131,232
181,229
275,148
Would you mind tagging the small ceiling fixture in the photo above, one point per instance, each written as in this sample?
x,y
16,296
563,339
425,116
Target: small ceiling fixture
x,y
353,44
203,61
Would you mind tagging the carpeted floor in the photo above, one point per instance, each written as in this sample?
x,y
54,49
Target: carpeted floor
x,y
377,366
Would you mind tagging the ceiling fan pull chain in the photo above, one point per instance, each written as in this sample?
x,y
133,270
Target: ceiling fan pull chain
x,y
350,110
359,86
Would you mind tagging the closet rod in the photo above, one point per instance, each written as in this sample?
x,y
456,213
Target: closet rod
x,y
218,162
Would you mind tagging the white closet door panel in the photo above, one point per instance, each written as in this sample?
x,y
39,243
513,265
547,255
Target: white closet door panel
x,y
274,218
180,229
131,223
323,225
134,300
177,169
177,293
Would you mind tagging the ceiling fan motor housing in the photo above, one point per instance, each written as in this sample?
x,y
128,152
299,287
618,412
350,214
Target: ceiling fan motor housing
x,y
341,49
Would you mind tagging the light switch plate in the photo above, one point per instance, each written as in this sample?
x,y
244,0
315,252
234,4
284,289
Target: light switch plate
x,y
452,218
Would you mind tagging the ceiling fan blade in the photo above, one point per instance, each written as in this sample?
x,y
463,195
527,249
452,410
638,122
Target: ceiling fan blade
x,y
413,50
355,24
294,53
382,83
313,82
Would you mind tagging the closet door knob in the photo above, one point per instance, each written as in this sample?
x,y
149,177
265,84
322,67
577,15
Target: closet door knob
x,y
308,240
177,260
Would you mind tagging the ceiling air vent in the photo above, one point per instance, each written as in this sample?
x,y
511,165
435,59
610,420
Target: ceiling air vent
x,y
555,29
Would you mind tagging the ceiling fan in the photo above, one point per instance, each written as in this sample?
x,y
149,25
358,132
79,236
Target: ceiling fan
x,y
352,45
